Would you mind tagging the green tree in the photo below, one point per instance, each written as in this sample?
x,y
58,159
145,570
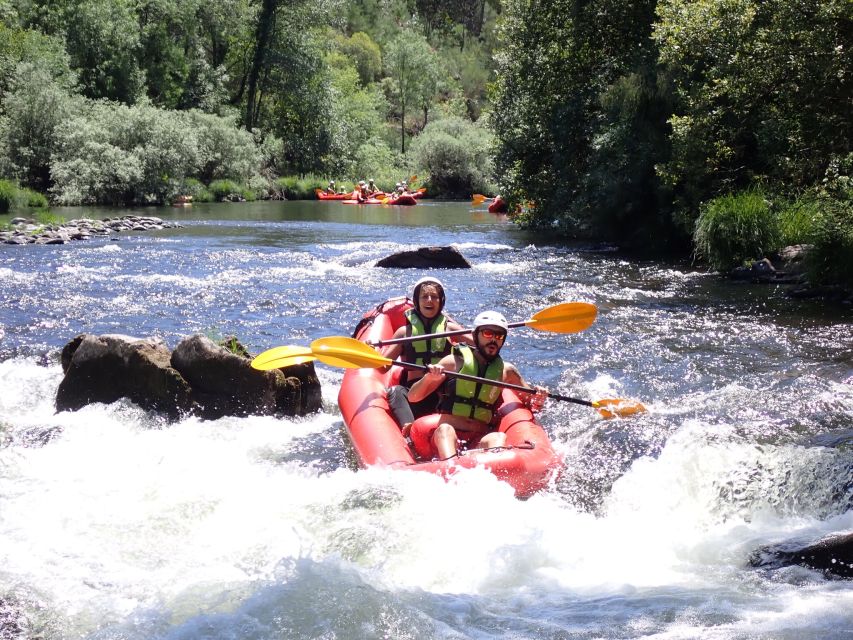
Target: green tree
x,y
576,88
103,41
456,154
364,53
763,93
413,68
35,105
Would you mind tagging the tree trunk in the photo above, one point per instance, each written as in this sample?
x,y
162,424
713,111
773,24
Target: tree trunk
x,y
403,126
263,36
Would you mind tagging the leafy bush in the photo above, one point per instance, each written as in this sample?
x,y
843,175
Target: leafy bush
x,y
30,198
115,154
797,221
224,189
455,153
296,188
8,192
734,228
193,187
35,109
364,53
830,261
375,159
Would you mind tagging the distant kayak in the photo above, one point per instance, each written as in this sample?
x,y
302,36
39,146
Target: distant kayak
x,y
498,205
322,195
406,199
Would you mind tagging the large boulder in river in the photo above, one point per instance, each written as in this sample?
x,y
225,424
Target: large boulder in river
x,y
426,258
199,377
106,368
224,383
833,555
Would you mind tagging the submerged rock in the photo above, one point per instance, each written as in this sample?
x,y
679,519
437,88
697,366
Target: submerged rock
x,y
833,555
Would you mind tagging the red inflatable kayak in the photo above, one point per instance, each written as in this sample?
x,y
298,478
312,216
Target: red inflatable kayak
x,y
528,462
406,199
498,205
322,195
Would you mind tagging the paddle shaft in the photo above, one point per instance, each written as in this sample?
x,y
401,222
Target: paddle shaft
x,y
494,383
458,332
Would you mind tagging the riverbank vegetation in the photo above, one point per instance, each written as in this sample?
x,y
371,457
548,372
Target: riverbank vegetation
x,y
719,129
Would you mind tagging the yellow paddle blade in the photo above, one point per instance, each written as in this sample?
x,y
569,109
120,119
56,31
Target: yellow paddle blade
x,y
617,407
478,199
340,351
568,317
279,357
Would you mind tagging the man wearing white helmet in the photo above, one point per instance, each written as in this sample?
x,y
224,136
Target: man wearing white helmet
x,y
467,407
331,187
426,317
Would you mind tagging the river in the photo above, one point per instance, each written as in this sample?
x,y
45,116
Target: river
x,y
117,524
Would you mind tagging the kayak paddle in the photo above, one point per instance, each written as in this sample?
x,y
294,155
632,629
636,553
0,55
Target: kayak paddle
x,y
340,351
477,199
566,317
270,358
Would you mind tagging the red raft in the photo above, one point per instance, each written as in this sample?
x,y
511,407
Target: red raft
x,y
498,205
405,199
528,462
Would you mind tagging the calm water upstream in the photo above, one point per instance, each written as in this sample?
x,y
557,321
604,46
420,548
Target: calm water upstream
x,y
116,524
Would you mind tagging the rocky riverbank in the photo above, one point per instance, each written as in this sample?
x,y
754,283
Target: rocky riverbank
x,y
26,231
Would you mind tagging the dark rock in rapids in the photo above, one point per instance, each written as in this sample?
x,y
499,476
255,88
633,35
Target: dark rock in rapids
x,y
426,258
223,383
199,378
106,368
833,555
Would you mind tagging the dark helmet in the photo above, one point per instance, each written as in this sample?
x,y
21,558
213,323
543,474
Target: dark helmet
x,y
428,280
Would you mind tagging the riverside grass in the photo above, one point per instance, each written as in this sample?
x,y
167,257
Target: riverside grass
x,y
734,228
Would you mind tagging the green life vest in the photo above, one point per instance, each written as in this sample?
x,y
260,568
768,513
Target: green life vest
x,y
425,351
471,399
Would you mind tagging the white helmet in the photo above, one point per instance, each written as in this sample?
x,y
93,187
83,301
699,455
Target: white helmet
x,y
428,280
491,319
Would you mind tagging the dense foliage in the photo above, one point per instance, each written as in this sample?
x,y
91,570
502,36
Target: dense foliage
x,y
649,122
636,121
126,101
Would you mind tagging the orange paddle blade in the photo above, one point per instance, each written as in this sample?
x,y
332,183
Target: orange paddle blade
x,y
567,317
618,407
